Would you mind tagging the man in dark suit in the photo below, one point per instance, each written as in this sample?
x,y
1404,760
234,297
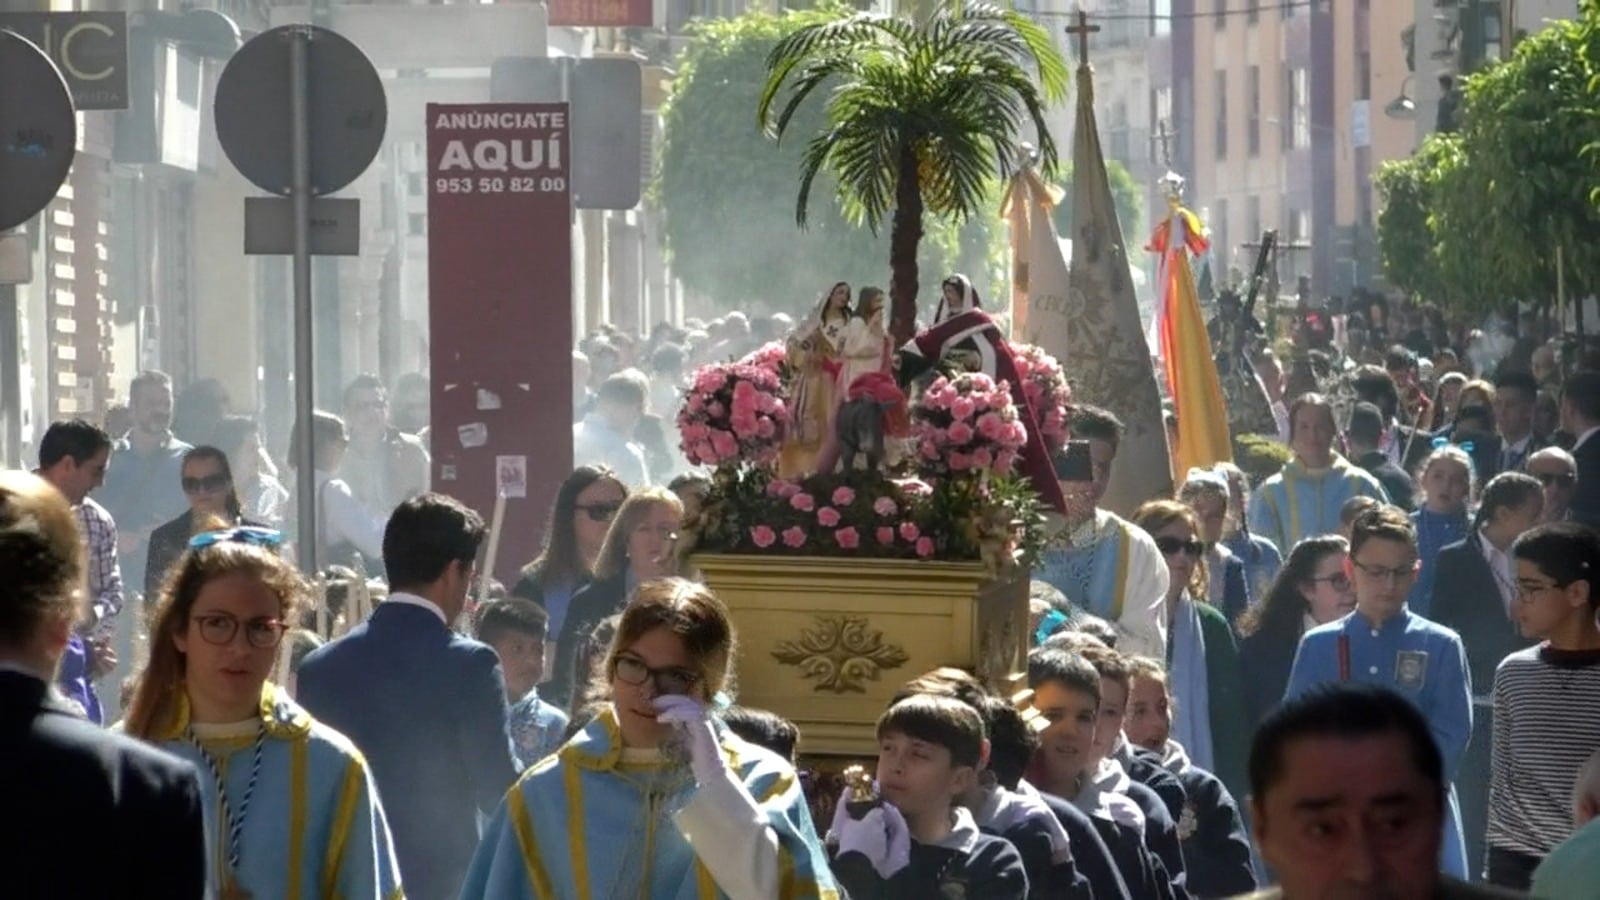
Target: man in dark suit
x,y
1580,417
1362,438
1515,394
426,706
62,775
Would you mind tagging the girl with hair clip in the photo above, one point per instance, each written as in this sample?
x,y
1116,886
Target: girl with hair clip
x,y
656,798
291,809
209,486
1445,479
812,353
1205,491
586,503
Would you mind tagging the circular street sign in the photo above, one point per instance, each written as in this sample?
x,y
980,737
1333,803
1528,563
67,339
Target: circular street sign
x,y
345,104
38,130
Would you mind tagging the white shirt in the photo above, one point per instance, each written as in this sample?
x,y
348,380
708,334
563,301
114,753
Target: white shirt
x,y
1519,450
345,520
1505,571
405,599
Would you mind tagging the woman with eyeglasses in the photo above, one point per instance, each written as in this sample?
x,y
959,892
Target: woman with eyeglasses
x,y
1201,653
213,502
656,798
1312,589
640,544
585,505
291,809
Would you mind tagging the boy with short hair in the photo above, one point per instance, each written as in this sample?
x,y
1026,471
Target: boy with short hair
x,y
1546,717
1216,848
1382,642
916,842
517,629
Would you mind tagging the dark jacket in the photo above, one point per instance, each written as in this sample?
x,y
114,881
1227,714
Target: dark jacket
x,y
1489,462
1047,879
1401,488
1139,869
1090,854
167,545
1267,655
69,787
1230,732
590,606
1466,599
427,708
1585,504
1216,847
1161,835
987,867
1235,589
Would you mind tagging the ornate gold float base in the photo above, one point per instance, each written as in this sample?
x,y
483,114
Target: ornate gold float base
x,y
826,642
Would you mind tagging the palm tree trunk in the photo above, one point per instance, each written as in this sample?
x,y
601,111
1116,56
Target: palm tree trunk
x,y
905,236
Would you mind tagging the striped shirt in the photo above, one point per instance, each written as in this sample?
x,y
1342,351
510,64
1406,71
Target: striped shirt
x,y
100,545
1546,724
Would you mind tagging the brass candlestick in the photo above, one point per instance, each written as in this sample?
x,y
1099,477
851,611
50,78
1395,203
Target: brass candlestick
x,y
860,796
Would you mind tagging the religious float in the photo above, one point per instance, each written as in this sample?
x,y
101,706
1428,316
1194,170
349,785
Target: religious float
x,y
898,540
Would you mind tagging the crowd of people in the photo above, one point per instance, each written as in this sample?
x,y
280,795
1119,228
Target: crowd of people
x,y
1373,672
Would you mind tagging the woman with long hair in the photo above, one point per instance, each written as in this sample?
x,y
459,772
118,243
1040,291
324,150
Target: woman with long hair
x,y
813,357
585,505
867,345
1312,589
291,809
641,544
656,798
1201,652
209,487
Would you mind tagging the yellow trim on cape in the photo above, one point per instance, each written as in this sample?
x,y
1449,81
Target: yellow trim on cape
x,y
285,719
297,814
1124,551
1292,535
343,815
538,878
704,883
577,836
598,746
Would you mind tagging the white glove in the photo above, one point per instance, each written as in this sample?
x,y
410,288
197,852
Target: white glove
x,y
882,836
688,716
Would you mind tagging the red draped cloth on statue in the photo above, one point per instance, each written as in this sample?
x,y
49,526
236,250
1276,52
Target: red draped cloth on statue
x,y
998,363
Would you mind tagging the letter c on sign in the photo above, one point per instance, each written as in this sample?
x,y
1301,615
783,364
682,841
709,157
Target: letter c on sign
x,y
66,51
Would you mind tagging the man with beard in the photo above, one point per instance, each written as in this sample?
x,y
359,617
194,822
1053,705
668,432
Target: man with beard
x,y
384,466
144,486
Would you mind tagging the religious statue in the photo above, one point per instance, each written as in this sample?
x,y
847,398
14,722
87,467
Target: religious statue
x,y
812,355
963,331
867,347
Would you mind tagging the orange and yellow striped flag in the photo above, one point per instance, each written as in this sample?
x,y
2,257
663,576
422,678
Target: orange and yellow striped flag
x,y
1185,347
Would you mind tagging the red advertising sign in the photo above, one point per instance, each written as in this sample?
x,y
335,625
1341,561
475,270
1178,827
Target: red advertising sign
x,y
500,312
602,13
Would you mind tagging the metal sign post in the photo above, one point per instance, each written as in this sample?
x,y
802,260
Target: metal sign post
x,y
305,400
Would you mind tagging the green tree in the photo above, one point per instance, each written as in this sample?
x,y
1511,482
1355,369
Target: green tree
x,y
1126,195
1405,237
724,186
921,115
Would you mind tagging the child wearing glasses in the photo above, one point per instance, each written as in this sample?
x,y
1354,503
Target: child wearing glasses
x,y
656,798
1547,720
1201,650
1312,589
290,807
1384,643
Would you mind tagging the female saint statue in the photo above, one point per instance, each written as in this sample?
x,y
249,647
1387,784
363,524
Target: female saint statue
x,y
813,360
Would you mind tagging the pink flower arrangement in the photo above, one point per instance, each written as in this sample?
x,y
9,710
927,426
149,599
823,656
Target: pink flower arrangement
x,y
967,424
885,535
771,356
794,536
885,506
763,536
848,538
732,412
828,517
803,502
1045,386
843,496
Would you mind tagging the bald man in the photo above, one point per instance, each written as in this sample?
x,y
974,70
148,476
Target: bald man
x,y
1573,868
1558,472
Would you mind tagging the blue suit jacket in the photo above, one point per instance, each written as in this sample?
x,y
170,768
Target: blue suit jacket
x,y
427,708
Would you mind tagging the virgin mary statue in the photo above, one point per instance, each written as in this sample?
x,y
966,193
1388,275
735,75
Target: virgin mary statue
x,y
813,357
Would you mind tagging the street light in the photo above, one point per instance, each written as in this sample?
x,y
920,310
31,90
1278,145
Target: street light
x,y
1402,107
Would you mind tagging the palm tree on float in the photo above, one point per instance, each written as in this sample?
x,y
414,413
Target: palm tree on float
x,y
922,114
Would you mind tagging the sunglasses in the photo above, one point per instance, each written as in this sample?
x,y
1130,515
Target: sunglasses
x,y
1170,546
1339,580
209,483
1562,478
247,534
600,512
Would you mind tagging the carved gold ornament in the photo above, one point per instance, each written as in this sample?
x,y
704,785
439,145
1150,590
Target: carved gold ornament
x,y
841,654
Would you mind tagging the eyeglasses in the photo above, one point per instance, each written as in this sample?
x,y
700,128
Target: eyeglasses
x,y
246,534
220,629
1565,479
1399,573
1338,580
1526,589
207,484
599,512
670,680
1170,546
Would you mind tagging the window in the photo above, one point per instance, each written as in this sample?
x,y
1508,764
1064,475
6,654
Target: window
x,y
1221,96
1253,129
1160,17
1300,98
1300,226
1220,17
1252,11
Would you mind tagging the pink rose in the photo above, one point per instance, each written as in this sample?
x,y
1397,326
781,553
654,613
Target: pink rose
x,y
828,517
885,506
909,531
843,496
960,433
708,379
765,429
991,426
925,547
885,535
763,536
794,536
789,489
962,408
803,502
982,459
696,402
724,445
959,462
716,410
848,538
930,450
1005,461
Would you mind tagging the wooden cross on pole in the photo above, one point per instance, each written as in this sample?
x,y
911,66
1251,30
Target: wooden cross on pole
x,y
1081,31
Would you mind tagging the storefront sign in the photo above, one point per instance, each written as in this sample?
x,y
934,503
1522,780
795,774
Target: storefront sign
x,y
500,312
90,49
602,13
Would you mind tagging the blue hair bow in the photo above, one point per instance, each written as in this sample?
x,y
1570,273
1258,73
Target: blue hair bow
x,y
1053,620
245,534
